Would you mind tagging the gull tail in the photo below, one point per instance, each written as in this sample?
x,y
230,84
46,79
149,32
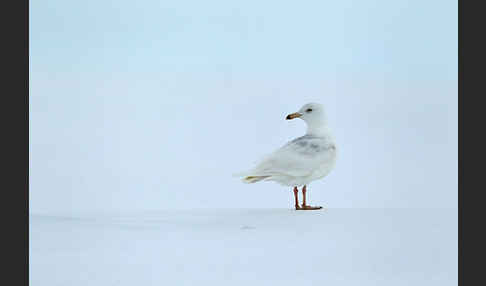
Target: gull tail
x,y
248,178
253,179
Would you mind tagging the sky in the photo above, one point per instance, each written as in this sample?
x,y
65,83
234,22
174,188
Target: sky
x,y
152,105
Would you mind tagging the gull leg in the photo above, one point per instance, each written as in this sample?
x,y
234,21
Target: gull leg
x,y
304,190
296,196
304,205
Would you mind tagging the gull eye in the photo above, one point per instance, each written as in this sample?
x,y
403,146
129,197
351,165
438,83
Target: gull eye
x,y
309,110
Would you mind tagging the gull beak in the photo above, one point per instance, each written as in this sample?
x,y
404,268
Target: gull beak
x,y
293,115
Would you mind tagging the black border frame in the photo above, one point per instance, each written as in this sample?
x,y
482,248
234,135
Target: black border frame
x,y
470,209
14,23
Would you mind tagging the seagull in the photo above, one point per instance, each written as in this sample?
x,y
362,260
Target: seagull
x,y
303,160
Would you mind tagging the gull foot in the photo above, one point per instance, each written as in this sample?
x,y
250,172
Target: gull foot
x,y
308,208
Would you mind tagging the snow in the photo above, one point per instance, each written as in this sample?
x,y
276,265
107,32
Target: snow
x,y
246,247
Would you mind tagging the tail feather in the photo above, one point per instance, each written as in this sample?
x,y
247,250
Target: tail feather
x,y
253,179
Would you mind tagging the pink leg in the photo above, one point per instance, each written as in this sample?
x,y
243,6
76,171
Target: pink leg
x,y
296,196
304,190
304,204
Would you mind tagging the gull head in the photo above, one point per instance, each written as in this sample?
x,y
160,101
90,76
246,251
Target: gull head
x,y
313,114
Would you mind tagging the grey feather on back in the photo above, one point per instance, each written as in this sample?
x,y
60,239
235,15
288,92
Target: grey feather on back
x,y
310,145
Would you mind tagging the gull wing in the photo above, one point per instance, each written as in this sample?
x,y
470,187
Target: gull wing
x,y
300,157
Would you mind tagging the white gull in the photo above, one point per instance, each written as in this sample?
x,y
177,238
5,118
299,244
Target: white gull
x,y
302,160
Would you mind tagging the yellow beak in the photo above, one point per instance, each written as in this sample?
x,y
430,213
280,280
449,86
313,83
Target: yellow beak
x,y
293,115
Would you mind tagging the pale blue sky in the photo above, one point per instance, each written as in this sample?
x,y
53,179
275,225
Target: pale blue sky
x,y
154,104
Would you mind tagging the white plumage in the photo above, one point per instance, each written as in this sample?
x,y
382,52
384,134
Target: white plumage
x,y
302,160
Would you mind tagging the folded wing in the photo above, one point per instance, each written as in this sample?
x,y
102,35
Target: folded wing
x,y
298,158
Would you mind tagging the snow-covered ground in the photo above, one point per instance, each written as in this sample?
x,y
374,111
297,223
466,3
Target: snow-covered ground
x,y
246,247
